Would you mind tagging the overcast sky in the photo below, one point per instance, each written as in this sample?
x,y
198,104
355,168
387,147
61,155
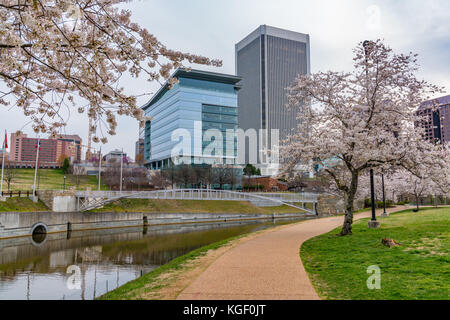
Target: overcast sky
x,y
212,27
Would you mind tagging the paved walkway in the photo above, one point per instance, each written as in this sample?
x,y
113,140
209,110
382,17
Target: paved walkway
x,y
267,267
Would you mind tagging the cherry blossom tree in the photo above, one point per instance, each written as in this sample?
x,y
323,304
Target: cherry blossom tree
x,y
406,182
352,122
53,51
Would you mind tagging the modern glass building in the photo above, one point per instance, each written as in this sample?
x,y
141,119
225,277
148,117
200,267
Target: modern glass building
x,y
184,115
268,60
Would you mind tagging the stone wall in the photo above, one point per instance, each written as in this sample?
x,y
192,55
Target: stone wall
x,y
58,200
329,204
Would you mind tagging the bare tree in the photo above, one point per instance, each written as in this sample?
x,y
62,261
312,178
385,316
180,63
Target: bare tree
x,y
233,173
221,176
170,175
9,174
159,180
77,172
184,174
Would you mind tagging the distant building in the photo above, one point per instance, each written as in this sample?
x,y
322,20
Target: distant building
x,y
139,149
264,183
435,120
200,101
268,60
116,155
23,150
91,169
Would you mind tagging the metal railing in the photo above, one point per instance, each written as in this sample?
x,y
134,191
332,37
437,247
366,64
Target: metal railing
x,y
88,200
201,194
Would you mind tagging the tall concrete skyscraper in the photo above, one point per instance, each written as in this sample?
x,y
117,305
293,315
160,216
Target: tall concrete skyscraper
x,y
268,60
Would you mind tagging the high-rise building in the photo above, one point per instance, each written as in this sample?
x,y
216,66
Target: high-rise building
x,y
268,60
435,119
23,150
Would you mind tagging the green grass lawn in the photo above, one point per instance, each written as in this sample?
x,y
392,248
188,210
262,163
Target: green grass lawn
x,y
22,204
50,179
191,206
418,269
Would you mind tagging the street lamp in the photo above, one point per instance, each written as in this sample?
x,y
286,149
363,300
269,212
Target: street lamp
x,y
373,223
64,182
384,198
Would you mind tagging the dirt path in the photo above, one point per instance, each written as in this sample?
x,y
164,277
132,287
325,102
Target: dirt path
x,y
266,266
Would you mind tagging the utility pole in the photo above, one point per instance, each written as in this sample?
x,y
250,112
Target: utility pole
x,y
99,167
373,223
121,168
3,167
38,147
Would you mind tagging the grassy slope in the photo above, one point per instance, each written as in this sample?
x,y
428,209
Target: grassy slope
x,y
50,179
21,205
418,269
191,206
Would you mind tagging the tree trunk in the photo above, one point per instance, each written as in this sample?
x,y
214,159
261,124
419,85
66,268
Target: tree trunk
x,y
349,200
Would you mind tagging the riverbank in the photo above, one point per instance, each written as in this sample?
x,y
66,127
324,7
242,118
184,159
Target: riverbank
x,y
21,224
417,269
22,204
107,259
220,273
167,281
193,206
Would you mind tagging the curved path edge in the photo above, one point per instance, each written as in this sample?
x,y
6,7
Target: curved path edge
x,y
265,267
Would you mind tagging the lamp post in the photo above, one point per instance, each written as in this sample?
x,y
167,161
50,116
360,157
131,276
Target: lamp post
x,y
384,214
373,223
64,183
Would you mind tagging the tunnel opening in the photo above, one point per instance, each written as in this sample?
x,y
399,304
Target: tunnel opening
x,y
39,233
40,229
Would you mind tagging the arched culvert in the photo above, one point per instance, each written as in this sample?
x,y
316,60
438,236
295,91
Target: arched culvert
x,y
39,233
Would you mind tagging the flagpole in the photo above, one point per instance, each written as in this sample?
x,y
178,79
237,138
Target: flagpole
x,y
38,147
99,167
121,167
3,166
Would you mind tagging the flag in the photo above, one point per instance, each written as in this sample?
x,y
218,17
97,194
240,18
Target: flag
x,y
38,145
5,143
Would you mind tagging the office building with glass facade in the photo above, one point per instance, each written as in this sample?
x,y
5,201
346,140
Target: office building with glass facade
x,y
268,60
199,102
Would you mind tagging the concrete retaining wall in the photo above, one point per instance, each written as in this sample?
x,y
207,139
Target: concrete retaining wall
x,y
58,200
16,224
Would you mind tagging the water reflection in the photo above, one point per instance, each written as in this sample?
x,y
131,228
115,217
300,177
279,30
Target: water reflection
x,y
37,267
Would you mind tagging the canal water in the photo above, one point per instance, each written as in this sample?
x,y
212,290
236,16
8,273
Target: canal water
x,y
86,264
